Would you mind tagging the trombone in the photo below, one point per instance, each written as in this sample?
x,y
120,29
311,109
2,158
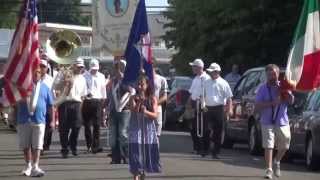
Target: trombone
x,y
200,109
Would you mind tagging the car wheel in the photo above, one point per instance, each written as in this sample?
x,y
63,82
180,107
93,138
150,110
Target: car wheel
x,y
311,159
254,141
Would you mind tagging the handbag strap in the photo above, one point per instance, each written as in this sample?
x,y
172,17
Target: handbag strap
x,y
272,107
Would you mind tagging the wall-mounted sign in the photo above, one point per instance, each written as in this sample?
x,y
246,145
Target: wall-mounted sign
x,y
112,21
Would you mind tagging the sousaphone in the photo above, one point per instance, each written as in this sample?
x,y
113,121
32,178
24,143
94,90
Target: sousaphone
x,y
63,47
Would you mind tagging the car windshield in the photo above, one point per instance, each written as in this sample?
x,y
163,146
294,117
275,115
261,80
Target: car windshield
x,y
181,84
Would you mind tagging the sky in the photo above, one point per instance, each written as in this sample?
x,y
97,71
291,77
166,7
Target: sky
x,y
148,2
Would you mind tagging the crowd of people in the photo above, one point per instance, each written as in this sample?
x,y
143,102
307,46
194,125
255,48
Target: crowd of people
x,y
76,97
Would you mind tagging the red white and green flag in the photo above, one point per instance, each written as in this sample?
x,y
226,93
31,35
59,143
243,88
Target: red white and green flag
x,y
303,66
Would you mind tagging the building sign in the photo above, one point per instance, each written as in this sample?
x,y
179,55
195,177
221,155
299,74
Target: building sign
x,y
112,21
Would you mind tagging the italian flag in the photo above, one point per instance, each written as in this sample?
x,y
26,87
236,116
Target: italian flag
x,y
303,66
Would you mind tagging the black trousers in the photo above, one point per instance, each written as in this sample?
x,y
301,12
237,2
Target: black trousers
x,y
213,124
69,125
92,116
193,132
48,133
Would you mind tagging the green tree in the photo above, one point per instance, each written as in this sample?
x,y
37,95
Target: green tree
x,y
248,32
62,11
9,12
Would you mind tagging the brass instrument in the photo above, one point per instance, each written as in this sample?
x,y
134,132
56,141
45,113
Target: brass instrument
x,y
63,47
200,109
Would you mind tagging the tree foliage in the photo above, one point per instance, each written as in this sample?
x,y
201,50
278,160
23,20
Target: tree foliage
x,y
62,11
9,14
55,11
248,32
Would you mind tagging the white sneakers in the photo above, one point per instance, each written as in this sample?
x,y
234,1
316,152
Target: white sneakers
x,y
277,169
37,172
33,172
269,174
27,171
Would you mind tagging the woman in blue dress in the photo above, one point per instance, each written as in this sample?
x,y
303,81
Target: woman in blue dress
x,y
144,153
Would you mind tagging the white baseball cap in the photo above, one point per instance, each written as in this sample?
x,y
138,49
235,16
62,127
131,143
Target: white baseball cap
x,y
44,62
197,62
94,64
214,67
79,62
122,61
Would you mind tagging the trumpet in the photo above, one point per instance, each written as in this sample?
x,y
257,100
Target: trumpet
x,y
200,109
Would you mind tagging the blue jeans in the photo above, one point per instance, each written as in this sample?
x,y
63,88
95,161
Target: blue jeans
x,y
119,135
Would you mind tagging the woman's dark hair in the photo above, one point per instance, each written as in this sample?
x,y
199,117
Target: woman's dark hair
x,y
150,89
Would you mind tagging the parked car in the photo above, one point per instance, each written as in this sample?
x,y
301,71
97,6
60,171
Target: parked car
x,y
243,126
177,99
305,131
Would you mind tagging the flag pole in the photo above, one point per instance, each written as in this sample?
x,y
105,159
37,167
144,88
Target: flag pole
x,y
141,73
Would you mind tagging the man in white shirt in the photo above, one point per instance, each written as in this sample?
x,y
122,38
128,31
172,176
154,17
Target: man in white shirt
x,y
218,103
70,102
92,106
195,91
47,80
161,90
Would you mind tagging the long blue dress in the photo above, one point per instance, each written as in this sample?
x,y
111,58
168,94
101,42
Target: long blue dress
x,y
150,141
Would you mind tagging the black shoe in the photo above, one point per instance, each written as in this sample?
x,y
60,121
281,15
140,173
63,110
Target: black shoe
x,y
203,153
115,162
75,153
124,161
215,156
98,150
64,155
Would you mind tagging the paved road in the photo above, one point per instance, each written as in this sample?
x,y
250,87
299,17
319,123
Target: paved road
x,y
177,162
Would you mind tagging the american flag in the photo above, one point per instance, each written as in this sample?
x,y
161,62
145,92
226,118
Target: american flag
x,y
23,56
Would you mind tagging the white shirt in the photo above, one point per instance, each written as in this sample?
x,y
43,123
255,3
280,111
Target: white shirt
x,y
79,88
216,91
197,84
160,87
96,85
47,80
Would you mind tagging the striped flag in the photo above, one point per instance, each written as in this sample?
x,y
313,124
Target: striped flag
x,y
303,66
23,56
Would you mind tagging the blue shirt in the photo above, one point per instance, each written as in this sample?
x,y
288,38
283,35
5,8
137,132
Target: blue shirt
x,y
280,115
45,100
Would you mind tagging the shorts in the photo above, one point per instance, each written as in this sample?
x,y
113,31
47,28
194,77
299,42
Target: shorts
x,y
276,137
31,135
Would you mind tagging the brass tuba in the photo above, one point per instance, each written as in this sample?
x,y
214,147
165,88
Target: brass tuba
x,y
63,47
